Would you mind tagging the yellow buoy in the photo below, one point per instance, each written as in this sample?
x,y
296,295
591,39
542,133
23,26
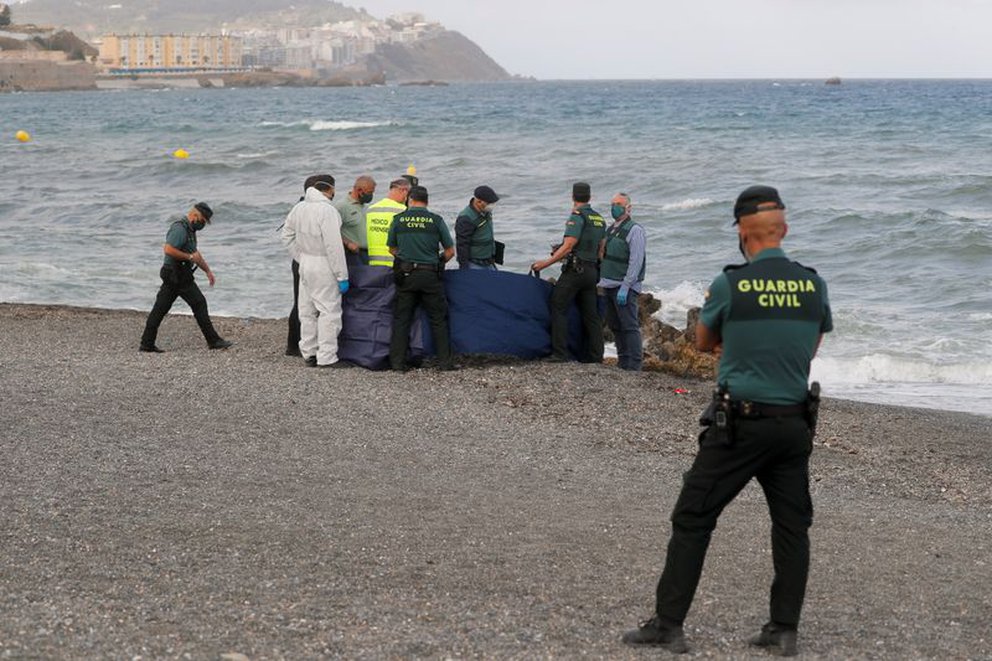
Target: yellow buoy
x,y
23,136
411,170
181,153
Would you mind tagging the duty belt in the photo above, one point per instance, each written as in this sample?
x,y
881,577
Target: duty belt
x,y
754,410
425,267
483,262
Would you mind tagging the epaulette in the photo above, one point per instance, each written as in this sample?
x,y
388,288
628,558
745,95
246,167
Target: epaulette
x,y
808,268
733,267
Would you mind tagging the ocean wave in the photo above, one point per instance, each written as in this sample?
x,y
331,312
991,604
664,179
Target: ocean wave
x,y
329,125
686,205
677,301
879,368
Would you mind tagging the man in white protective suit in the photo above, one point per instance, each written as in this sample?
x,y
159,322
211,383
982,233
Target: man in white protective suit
x,y
312,234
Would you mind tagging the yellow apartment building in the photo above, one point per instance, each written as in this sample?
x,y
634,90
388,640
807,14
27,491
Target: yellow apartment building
x,y
170,51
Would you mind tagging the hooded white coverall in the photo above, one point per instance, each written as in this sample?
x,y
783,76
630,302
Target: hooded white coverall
x,y
312,234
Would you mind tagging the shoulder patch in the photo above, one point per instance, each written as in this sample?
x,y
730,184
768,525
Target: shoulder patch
x,y
733,267
810,269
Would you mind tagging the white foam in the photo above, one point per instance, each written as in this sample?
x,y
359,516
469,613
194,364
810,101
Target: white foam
x,y
878,368
43,268
346,126
676,302
329,125
686,205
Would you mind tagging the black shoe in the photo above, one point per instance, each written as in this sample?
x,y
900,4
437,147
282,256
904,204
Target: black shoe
x,y
401,368
778,639
448,368
220,344
657,633
554,359
338,365
311,361
293,351
150,349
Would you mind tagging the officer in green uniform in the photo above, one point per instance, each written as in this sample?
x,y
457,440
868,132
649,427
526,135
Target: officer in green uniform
x,y
769,315
582,248
475,244
181,259
413,239
352,209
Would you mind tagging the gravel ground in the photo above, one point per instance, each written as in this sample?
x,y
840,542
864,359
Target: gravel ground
x,y
234,504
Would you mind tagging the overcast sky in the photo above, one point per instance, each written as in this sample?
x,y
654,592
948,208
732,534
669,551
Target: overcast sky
x,y
721,38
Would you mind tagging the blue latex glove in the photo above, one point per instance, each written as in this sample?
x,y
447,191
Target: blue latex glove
x,y
622,296
343,285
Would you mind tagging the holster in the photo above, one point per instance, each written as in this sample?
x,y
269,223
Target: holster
x,y
718,420
401,269
573,263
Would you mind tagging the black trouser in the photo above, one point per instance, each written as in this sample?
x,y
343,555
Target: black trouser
x,y
423,287
293,337
572,285
775,451
178,282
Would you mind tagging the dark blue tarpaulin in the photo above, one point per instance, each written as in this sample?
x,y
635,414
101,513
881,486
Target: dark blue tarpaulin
x,y
489,312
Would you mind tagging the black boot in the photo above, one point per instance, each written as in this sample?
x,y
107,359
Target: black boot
x,y
780,640
660,634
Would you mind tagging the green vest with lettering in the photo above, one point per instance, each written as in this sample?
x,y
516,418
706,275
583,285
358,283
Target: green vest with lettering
x,y
483,243
593,231
418,233
617,258
777,312
378,218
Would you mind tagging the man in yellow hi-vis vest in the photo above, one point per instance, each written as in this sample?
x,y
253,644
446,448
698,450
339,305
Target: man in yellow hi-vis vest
x,y
379,217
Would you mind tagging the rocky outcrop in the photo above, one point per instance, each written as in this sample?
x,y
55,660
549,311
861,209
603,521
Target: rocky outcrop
x,y
45,76
668,349
34,59
447,56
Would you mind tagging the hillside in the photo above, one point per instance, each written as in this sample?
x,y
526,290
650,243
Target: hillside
x,y
449,56
441,55
91,18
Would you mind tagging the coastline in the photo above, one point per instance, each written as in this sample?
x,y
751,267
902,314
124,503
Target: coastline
x,y
210,503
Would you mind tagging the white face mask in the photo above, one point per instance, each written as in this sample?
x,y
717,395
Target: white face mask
x,y
487,208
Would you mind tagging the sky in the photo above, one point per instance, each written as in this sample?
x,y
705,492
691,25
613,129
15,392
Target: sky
x,y
576,39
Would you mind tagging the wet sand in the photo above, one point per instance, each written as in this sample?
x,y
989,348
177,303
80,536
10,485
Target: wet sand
x,y
197,504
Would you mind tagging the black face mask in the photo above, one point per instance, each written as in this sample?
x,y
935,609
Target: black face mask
x,y
365,198
198,225
740,246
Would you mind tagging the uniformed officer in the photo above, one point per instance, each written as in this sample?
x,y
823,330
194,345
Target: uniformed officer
x,y
181,259
621,277
475,243
581,248
352,209
769,315
413,239
379,217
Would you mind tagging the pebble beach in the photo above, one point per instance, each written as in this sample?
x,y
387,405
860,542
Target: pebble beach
x,y
236,505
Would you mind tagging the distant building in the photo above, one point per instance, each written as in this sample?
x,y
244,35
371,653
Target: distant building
x,y
171,51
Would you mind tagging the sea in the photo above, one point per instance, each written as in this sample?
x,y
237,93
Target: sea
x,y
888,185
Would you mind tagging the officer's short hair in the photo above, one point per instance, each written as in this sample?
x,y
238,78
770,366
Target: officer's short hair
x,y
399,183
419,194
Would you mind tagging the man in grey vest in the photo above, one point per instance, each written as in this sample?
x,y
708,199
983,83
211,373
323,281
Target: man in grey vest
x,y
620,277
769,316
